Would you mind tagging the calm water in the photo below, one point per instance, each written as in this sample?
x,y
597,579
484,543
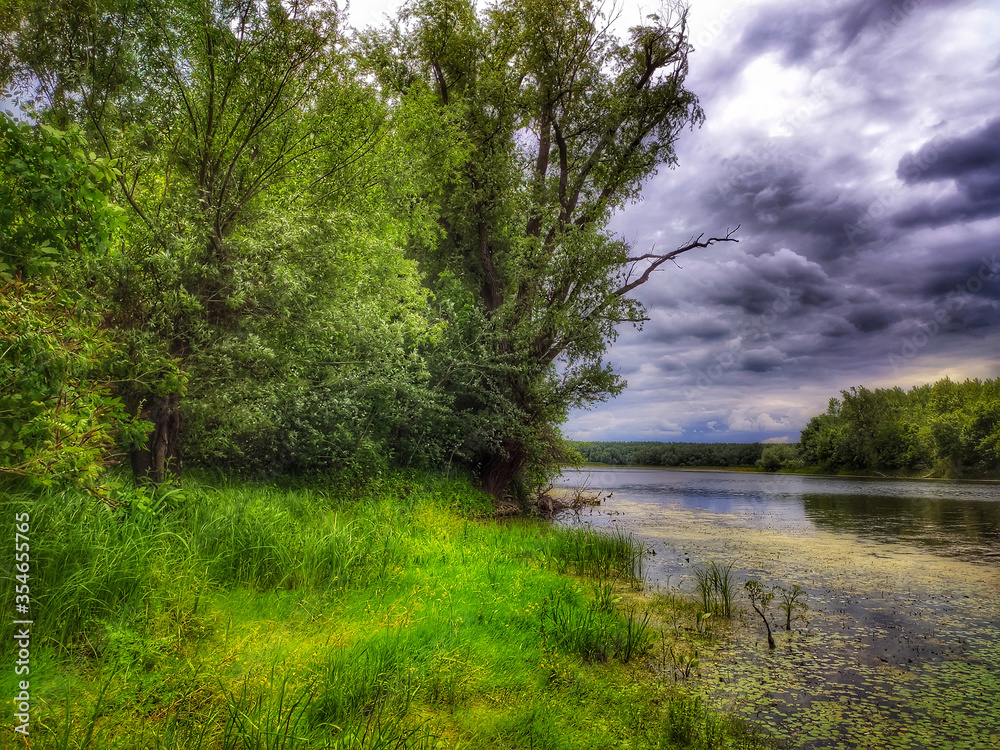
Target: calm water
x,y
900,647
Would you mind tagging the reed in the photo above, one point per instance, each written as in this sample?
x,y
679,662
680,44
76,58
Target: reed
x,y
635,638
716,588
589,553
605,597
575,629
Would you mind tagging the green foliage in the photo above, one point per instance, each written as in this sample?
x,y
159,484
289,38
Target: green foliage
x,y
343,256
776,457
57,415
267,317
54,213
947,428
648,453
548,123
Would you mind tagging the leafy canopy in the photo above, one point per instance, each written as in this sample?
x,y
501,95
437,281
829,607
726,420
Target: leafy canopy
x,y
556,123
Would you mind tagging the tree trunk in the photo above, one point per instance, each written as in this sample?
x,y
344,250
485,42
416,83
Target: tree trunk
x,y
160,458
503,467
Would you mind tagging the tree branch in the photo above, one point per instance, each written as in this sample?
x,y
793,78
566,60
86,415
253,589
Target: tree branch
x,y
660,258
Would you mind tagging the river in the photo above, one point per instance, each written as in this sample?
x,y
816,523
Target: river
x,y
900,645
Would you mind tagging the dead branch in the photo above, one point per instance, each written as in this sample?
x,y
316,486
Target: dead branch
x,y
660,258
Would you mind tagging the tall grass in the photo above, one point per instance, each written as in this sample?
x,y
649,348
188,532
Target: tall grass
x,y
92,565
372,677
88,565
394,620
716,588
587,552
635,637
687,723
271,718
576,629
591,632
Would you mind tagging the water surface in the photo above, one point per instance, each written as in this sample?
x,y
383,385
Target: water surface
x,y
901,648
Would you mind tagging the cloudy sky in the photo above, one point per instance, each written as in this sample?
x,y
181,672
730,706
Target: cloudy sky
x,y
857,143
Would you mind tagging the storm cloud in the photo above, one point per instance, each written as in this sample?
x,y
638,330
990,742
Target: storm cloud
x,y
857,144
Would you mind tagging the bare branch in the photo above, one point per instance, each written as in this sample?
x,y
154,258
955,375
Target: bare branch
x,y
660,258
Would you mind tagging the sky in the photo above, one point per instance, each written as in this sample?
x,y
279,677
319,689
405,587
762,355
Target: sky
x,y
857,145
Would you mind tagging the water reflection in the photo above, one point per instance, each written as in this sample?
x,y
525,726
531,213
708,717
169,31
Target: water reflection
x,y
956,527
951,518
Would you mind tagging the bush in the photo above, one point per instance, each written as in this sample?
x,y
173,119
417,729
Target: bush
x,y
779,456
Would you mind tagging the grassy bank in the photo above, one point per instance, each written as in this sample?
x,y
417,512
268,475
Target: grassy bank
x,y
240,617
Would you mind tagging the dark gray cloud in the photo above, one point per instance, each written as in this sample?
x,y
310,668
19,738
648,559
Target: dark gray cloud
x,y
783,192
802,32
964,270
858,145
762,360
975,154
671,330
971,162
871,317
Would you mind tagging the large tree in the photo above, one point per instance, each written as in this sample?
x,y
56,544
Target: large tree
x,y
557,123
234,126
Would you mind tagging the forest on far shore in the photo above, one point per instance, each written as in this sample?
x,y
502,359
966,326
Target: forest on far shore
x,y
944,429
654,453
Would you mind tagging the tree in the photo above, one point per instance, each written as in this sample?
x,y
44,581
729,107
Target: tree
x,y
774,457
760,599
557,123
948,427
216,115
57,416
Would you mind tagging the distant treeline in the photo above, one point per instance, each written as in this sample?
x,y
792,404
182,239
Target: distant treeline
x,y
649,453
945,429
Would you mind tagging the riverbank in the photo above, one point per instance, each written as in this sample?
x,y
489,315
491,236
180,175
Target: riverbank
x,y
399,616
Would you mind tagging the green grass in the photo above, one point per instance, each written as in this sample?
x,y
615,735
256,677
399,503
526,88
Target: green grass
x,y
233,616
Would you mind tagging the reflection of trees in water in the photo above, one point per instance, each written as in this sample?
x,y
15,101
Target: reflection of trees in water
x,y
928,521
